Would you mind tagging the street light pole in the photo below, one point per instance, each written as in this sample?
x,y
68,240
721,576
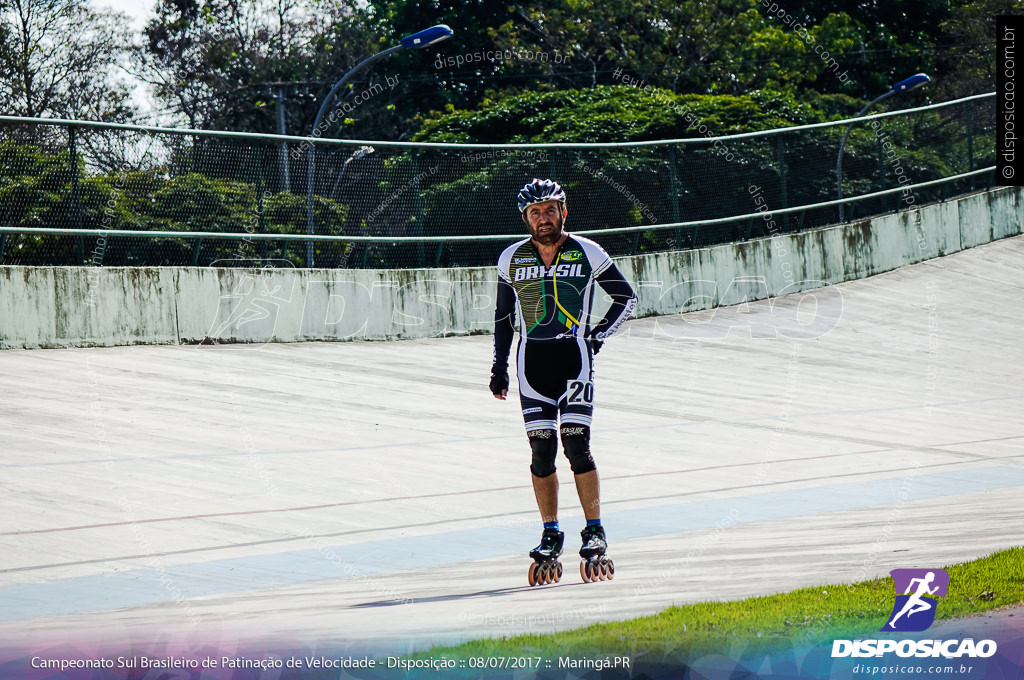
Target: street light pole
x,y
912,83
416,41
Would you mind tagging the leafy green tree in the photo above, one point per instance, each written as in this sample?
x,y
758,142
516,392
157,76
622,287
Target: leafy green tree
x,y
59,58
735,46
879,43
723,47
618,113
628,187
969,66
36,191
224,64
430,78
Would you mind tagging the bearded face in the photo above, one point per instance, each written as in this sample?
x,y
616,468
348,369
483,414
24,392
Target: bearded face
x,y
545,220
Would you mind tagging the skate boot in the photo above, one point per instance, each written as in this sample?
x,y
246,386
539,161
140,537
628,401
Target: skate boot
x,y
595,565
546,567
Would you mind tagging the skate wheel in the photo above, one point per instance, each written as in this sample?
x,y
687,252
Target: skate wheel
x,y
545,573
532,575
558,572
598,569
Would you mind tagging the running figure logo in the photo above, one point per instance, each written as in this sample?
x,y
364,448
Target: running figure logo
x,y
915,609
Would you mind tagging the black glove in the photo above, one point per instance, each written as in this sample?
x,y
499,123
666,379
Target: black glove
x,y
499,380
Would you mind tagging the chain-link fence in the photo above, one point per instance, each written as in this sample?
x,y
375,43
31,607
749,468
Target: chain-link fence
x,y
70,190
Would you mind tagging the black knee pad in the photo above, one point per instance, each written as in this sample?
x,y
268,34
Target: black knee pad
x,y
545,449
576,444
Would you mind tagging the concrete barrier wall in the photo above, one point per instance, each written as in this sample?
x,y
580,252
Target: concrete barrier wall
x,y
88,306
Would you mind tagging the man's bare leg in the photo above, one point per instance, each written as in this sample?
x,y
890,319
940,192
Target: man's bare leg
x,y
588,487
546,491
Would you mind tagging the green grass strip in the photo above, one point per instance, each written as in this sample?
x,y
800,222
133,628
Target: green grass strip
x,y
804,617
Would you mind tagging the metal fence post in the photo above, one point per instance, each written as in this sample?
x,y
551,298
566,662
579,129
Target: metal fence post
x,y
76,197
310,169
780,163
261,187
970,145
285,174
418,211
674,187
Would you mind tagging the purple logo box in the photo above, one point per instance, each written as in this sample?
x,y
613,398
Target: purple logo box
x,y
916,593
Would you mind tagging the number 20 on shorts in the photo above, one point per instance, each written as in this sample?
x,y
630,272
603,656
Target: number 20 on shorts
x,y
580,392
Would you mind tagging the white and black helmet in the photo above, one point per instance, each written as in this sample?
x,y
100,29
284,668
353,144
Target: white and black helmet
x,y
539,191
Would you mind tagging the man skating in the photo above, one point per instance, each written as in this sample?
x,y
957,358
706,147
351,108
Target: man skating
x,y
547,282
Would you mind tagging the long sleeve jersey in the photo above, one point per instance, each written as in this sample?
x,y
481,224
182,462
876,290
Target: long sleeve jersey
x,y
554,303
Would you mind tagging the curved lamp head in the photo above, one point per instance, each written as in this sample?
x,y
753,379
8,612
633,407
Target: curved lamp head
x,y
427,37
912,83
362,151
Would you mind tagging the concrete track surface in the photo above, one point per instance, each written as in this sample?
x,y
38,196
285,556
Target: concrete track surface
x,y
375,494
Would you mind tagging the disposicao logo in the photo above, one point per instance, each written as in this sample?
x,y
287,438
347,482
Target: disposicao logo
x,y
914,611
